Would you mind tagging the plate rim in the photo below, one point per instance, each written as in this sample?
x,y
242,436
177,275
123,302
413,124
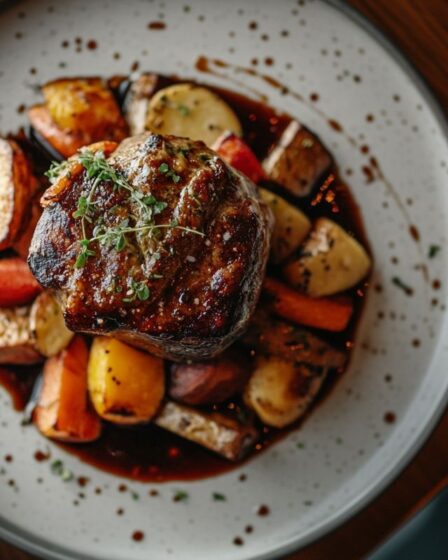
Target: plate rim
x,y
44,549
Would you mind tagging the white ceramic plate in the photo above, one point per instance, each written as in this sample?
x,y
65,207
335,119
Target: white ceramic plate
x,y
347,453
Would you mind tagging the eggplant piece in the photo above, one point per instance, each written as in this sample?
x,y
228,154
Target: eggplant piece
x,y
218,433
299,161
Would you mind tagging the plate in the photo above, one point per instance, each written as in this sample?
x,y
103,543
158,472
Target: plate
x,y
324,64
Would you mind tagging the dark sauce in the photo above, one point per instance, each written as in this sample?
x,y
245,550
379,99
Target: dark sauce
x,y
148,453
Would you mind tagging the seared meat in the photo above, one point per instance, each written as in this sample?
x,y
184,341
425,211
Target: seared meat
x,y
184,285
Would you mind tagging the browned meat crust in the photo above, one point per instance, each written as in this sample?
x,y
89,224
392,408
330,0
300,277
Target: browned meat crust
x,y
183,291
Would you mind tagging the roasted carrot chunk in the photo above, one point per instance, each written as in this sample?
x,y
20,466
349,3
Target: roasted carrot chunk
x,y
17,284
237,153
64,411
330,314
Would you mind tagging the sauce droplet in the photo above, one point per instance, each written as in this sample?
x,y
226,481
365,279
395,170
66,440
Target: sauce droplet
x,y
390,417
156,25
263,510
138,536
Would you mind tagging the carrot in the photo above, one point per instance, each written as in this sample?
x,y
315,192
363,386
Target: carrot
x,y
63,411
237,153
330,314
17,283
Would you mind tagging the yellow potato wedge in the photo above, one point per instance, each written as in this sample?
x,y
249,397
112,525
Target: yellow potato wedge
x,y
331,261
17,186
48,326
191,111
291,226
126,385
280,391
77,112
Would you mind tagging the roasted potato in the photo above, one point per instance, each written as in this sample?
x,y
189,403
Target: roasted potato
x,y
17,283
191,111
17,187
48,326
63,411
330,261
291,226
77,112
298,161
209,382
217,432
16,337
290,366
126,385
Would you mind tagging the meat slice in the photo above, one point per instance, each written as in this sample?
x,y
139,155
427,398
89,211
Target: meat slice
x,y
177,252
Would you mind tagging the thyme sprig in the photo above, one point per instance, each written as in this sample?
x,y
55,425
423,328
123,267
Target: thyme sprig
x,y
98,170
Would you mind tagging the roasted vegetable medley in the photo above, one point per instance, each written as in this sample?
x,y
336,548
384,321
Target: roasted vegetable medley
x,y
288,296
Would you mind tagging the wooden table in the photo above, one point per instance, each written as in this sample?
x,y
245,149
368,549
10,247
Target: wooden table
x,y
420,28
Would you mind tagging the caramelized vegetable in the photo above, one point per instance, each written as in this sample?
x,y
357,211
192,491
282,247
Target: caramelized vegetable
x,y
126,385
290,366
77,112
63,410
137,101
190,111
17,284
320,313
48,326
330,261
17,338
291,226
209,382
17,186
298,161
221,434
237,153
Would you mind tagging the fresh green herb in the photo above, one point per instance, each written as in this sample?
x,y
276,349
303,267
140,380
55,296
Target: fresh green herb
x,y
219,497
165,169
99,170
400,284
56,168
138,290
135,495
183,110
433,251
300,445
58,468
180,496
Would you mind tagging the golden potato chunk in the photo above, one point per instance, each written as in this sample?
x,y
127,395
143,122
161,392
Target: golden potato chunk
x,y
126,385
291,226
330,261
191,111
17,342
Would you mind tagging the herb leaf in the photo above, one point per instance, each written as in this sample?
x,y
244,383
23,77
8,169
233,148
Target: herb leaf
x,y
434,250
219,497
180,496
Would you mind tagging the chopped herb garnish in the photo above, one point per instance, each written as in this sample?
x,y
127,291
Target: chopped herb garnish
x,y
58,468
180,496
300,445
165,169
400,284
135,495
55,170
219,497
183,110
433,251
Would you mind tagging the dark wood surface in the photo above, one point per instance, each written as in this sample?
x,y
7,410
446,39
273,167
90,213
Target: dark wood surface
x,y
420,28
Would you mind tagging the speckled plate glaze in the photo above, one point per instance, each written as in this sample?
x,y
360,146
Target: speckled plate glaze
x,y
328,67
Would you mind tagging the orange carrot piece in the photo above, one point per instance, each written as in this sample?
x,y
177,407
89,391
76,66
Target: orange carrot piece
x,y
330,314
17,283
64,412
